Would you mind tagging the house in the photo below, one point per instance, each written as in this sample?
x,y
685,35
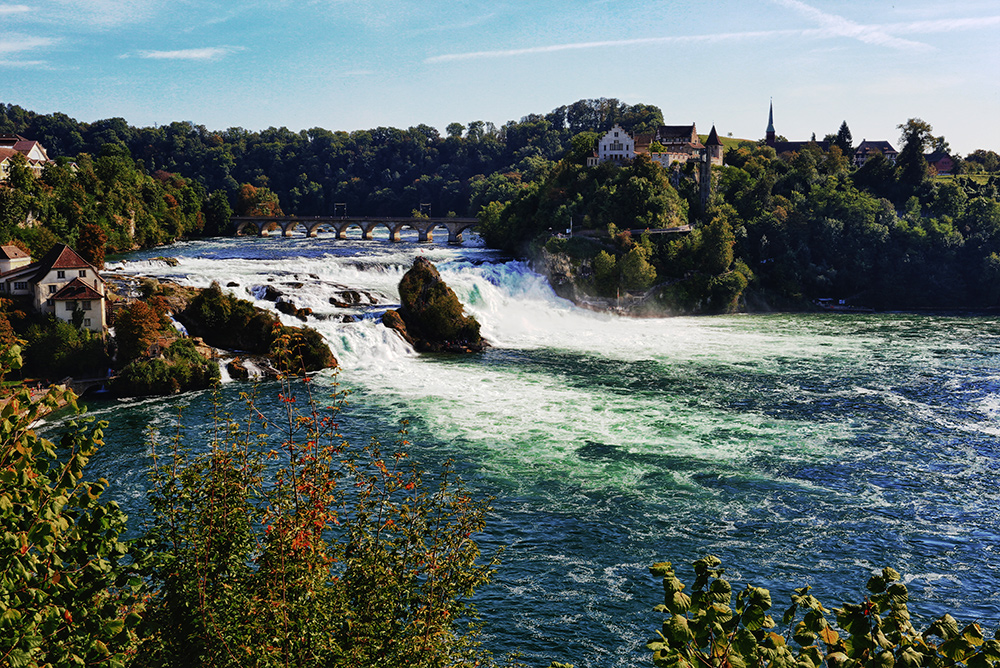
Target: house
x,y
61,283
34,153
12,257
674,143
616,146
940,161
867,149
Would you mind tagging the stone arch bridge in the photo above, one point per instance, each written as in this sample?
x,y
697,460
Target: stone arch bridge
x,y
425,227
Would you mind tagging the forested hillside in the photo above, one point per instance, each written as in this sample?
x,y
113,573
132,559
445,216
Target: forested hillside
x,y
382,171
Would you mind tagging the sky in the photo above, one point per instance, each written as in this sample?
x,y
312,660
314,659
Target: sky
x,y
360,64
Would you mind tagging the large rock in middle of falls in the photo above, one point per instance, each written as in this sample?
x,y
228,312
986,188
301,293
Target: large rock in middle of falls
x,y
430,316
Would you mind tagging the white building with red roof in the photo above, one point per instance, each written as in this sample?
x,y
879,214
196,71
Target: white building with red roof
x,y
33,152
61,283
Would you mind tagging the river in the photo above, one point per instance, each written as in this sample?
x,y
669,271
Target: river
x,y
801,449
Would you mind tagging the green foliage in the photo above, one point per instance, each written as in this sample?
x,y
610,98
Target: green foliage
x,y
66,597
225,321
179,368
343,556
709,628
55,349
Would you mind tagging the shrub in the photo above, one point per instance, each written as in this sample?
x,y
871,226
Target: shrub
x,y
344,556
706,628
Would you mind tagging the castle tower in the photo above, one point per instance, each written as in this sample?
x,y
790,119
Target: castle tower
x,y
714,147
769,136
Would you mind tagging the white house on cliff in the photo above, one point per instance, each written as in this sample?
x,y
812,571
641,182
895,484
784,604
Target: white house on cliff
x,y
33,152
61,283
673,143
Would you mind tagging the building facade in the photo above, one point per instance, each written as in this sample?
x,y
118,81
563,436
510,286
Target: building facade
x,y
61,283
668,145
33,152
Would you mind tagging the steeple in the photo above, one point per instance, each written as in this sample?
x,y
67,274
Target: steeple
x,y
769,137
713,138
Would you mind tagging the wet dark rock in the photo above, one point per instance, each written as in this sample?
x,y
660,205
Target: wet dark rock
x,y
430,316
237,369
268,293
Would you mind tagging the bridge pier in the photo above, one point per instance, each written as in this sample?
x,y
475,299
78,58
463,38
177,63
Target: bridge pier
x,y
339,226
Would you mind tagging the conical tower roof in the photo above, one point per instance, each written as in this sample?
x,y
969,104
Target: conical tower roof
x,y
713,138
770,118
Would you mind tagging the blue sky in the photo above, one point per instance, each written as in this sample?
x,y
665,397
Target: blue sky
x,y
358,64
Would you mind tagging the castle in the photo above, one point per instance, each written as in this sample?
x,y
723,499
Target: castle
x,y
672,144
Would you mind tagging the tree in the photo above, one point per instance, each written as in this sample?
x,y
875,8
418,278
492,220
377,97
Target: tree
x,y
257,201
844,140
911,166
137,327
91,244
66,596
455,130
218,213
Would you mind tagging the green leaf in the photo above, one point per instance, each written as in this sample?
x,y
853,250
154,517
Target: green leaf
x,y
662,569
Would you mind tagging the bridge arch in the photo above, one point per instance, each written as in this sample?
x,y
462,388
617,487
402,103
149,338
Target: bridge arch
x,y
425,227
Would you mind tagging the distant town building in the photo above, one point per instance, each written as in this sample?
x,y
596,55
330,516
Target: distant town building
x,y
862,153
61,283
866,149
668,145
770,138
940,161
34,153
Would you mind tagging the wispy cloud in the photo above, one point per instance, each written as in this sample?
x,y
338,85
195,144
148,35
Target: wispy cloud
x,y
839,26
14,44
7,10
938,26
829,25
637,41
202,53
104,14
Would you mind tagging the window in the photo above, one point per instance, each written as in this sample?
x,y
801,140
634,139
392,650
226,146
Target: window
x,y
60,274
52,289
20,286
86,322
70,306
82,273
86,306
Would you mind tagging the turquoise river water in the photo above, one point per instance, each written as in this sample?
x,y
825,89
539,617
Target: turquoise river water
x,y
801,449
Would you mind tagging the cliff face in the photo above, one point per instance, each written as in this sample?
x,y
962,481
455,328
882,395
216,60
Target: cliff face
x,y
430,316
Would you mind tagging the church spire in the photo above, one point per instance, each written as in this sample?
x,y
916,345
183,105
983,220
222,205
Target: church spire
x,y
769,137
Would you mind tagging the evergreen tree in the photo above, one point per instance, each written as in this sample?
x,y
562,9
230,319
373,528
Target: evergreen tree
x,y
844,139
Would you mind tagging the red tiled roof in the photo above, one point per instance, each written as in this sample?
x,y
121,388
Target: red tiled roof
x,y
62,256
7,153
75,290
12,252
